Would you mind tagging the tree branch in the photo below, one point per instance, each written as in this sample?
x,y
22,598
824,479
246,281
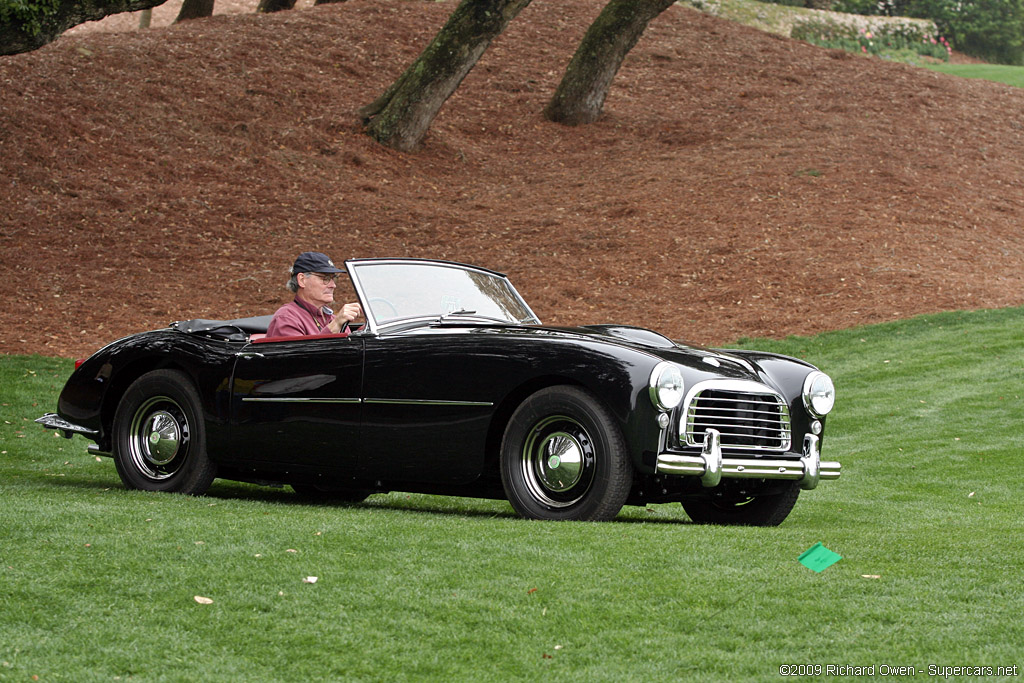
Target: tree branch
x,y
26,26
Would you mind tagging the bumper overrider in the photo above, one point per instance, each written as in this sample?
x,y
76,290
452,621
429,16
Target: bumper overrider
x,y
711,466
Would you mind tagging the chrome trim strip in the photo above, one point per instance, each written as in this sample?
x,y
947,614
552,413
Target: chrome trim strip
x,y
285,399
423,402
371,401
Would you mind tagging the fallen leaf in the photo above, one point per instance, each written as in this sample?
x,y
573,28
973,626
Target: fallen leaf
x,y
971,494
291,550
871,576
203,601
531,591
309,579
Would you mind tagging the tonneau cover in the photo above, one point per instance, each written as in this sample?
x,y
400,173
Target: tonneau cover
x,y
238,329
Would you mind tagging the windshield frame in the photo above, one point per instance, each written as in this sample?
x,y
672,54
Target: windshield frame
x,y
438,317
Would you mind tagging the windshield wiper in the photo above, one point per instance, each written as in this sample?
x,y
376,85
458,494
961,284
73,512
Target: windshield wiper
x,y
461,311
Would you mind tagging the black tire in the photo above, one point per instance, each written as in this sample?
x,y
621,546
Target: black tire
x,y
563,457
768,510
313,493
159,437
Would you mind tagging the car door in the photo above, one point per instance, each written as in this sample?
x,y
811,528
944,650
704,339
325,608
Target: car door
x,y
428,400
296,403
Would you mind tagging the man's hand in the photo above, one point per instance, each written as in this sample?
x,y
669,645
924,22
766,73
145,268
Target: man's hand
x,y
348,313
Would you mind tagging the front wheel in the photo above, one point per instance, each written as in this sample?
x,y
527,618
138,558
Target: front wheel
x,y
159,438
563,457
767,510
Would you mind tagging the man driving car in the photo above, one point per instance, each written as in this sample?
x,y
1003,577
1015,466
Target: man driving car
x,y
313,281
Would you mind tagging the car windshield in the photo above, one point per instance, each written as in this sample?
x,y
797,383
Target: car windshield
x,y
394,290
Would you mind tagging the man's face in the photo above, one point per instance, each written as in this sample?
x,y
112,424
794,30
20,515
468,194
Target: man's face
x,y
317,288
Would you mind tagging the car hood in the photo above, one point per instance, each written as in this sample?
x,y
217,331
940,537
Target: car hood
x,y
648,341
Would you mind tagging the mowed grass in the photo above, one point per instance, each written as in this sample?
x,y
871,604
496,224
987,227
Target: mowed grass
x,y
99,583
1001,73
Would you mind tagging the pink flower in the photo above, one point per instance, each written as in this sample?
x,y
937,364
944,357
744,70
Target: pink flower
x,y
863,49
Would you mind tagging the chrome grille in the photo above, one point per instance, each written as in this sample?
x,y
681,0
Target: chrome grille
x,y
748,415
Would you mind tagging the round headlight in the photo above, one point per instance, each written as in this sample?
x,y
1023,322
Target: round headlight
x,y
819,394
666,386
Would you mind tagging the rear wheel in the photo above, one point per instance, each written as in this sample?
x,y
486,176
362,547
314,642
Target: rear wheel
x,y
563,457
159,437
768,510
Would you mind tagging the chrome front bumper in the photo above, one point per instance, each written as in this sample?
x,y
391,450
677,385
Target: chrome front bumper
x,y
68,429
712,467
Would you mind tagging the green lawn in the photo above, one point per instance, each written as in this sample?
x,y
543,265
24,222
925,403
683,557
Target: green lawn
x,y
99,583
1011,75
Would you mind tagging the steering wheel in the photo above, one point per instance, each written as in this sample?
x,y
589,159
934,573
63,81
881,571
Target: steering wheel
x,y
380,300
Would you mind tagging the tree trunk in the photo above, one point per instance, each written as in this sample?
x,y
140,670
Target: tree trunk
x,y
581,94
401,116
195,9
268,6
28,26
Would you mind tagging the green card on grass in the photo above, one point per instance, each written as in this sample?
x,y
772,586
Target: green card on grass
x,y
818,557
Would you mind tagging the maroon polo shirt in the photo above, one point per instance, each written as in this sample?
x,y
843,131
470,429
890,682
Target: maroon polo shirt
x,y
299,317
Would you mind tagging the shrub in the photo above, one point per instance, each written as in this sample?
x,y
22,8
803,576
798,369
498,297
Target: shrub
x,y
880,39
992,30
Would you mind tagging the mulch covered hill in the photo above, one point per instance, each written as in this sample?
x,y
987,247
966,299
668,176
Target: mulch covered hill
x,y
739,184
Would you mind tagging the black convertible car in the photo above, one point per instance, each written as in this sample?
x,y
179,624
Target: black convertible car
x,y
453,386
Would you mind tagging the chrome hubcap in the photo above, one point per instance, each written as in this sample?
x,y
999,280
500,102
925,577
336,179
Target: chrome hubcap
x,y
564,462
558,461
164,437
158,438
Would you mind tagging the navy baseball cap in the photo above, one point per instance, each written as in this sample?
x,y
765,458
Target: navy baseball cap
x,y
314,262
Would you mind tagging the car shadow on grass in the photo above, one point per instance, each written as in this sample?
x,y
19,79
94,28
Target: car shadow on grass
x,y
418,503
